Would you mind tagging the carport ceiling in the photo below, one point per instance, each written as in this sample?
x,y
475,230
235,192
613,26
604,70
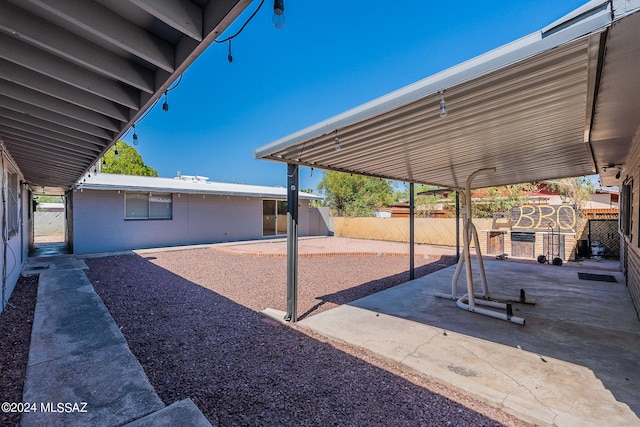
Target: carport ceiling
x,y
562,102
75,75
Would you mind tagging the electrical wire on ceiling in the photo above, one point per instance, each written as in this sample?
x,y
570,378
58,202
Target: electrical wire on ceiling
x,y
165,105
237,33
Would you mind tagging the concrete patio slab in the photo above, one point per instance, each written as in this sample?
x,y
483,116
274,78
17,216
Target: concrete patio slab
x,y
575,362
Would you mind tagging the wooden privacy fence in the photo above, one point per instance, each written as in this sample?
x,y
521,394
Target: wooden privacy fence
x,y
432,231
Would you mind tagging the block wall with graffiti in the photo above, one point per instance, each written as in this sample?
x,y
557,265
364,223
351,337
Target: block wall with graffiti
x,y
524,232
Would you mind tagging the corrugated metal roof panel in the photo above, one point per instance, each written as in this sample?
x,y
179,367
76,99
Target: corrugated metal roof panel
x,y
555,104
523,114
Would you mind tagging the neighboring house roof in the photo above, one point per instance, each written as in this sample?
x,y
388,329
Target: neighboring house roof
x,y
184,185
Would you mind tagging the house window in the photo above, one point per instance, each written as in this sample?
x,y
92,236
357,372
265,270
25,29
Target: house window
x,y
148,206
13,205
274,217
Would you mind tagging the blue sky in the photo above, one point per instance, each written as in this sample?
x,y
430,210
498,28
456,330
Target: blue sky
x,y
330,56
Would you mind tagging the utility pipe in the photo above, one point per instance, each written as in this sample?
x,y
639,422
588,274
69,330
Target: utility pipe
x,y
495,314
469,233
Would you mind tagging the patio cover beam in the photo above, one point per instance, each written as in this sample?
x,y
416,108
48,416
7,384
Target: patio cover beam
x,y
522,108
82,73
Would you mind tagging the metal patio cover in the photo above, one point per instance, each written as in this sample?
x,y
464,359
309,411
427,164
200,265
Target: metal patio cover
x,y
562,102
76,74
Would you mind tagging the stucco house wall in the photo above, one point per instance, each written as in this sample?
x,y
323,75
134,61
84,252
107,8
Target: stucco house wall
x,y
15,243
629,222
99,223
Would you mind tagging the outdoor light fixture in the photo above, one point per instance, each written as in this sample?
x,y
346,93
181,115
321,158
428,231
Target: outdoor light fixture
x,y
165,104
116,155
336,140
443,104
135,135
278,14
104,162
614,166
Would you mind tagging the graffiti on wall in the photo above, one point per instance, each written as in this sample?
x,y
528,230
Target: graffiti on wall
x,y
539,218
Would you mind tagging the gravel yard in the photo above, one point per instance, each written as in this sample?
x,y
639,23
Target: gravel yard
x,y
191,319
15,336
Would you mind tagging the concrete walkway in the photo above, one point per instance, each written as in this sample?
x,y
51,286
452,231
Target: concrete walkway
x,y
576,362
80,370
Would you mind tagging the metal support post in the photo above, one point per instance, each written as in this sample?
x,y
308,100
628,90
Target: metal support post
x,y
412,240
457,226
292,243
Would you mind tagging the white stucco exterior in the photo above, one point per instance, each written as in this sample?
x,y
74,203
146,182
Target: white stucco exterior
x,y
15,238
198,217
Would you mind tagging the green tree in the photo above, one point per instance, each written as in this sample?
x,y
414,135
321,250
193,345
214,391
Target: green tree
x,y
128,162
313,203
424,204
354,195
49,199
574,191
500,199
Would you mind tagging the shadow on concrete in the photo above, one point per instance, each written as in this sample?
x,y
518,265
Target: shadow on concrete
x,y
241,369
80,371
352,294
49,249
587,323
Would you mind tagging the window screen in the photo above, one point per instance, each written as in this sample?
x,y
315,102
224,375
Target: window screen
x,y
160,206
148,206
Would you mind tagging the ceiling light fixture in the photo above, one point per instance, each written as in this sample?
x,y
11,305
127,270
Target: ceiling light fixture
x,y
278,18
165,104
443,104
613,166
336,141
